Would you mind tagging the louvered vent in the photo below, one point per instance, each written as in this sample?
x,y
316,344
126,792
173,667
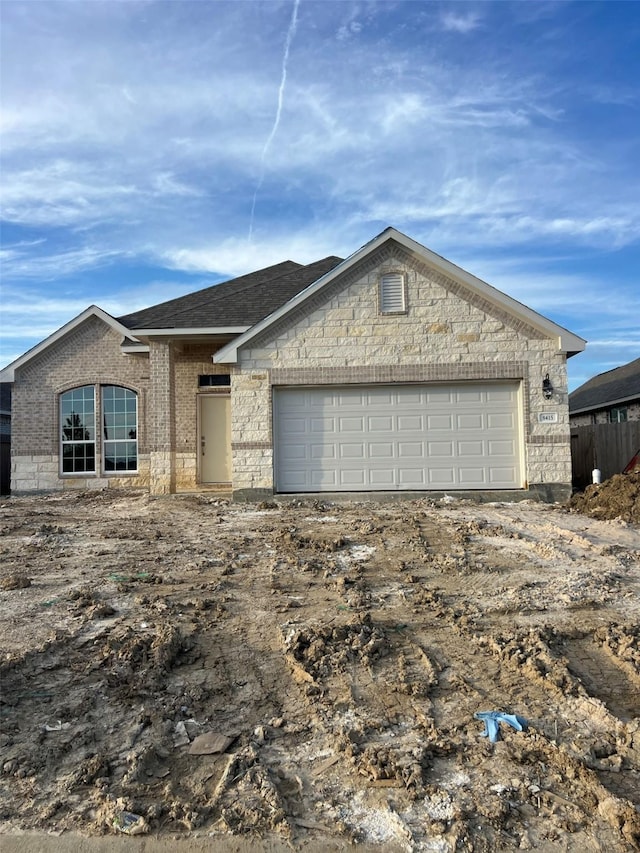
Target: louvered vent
x,y
392,293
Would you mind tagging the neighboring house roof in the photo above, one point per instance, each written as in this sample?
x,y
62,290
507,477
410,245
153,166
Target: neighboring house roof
x,y
620,385
241,301
567,341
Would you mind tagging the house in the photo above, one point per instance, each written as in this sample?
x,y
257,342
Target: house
x,y
611,397
5,437
391,371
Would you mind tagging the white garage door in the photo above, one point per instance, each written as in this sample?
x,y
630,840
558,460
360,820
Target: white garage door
x,y
387,438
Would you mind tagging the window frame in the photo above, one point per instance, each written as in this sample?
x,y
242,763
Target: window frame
x,y
387,280
128,396
100,442
74,441
618,411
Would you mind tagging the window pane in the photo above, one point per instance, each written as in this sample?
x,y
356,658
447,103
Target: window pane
x,y
120,429
120,456
78,458
77,430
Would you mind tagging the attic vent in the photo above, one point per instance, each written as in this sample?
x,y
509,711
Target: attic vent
x,y
392,300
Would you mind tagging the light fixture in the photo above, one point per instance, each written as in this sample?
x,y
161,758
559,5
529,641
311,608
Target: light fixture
x,y
547,388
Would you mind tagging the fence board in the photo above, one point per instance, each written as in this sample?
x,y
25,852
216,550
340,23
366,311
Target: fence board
x,y
608,447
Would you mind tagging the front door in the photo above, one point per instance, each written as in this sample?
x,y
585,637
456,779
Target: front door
x,y
215,439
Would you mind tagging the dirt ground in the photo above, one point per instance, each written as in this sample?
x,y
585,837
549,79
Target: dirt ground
x,y
308,673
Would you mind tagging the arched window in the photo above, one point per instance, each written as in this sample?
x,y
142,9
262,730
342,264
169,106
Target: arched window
x,y
78,430
120,429
118,443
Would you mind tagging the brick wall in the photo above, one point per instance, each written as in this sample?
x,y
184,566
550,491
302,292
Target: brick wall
x,y
88,355
602,416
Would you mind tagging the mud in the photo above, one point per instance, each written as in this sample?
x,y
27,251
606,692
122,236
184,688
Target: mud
x,y
333,657
617,497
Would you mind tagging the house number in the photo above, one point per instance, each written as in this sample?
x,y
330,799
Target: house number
x,y
547,417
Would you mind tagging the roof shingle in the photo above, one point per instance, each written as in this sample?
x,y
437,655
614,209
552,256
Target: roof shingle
x,y
606,389
242,301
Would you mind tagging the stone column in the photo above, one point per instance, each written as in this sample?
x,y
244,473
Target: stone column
x,y
161,419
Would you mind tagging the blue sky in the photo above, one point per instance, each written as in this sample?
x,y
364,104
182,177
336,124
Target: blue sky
x,y
153,148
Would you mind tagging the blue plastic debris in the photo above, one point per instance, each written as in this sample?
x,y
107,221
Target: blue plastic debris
x,y
492,720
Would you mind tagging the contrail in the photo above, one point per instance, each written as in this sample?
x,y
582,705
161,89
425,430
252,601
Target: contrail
x,y
285,59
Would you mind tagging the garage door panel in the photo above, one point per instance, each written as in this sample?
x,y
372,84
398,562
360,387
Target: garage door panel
x,y
294,452
500,420
352,451
294,426
441,477
410,423
378,450
351,424
439,449
501,448
474,475
295,480
323,451
322,425
397,437
499,475
470,448
380,396
470,421
352,478
470,395
410,396
411,450
499,395
439,396
383,478
324,479
411,478
324,400
444,422
380,424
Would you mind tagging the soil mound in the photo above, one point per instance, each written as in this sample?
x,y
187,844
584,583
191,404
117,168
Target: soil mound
x,y
617,497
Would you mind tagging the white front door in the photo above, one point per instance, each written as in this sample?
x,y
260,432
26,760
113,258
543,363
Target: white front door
x,y
214,440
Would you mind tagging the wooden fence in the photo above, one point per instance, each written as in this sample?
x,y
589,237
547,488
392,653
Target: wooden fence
x,y
609,447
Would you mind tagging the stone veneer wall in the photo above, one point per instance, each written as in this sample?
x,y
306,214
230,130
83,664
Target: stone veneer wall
x,y
88,355
448,334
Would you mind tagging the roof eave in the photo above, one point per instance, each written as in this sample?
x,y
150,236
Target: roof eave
x,y
598,407
195,331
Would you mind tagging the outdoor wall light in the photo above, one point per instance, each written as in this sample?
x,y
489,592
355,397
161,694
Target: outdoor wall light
x,y
547,388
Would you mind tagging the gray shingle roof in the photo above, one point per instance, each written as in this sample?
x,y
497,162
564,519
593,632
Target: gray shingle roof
x,y
606,389
242,301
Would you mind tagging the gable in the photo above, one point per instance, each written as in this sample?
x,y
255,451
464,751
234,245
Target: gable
x,y
393,248
93,312
438,320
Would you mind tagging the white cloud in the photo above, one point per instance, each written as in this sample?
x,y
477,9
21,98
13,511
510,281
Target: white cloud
x,y
459,23
138,135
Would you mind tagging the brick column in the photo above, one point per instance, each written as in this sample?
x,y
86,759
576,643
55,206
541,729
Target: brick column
x,y
161,419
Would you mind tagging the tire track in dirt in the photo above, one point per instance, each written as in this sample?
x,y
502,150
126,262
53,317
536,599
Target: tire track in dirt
x,y
345,649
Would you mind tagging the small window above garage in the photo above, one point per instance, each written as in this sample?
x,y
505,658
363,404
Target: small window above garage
x,y
392,297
